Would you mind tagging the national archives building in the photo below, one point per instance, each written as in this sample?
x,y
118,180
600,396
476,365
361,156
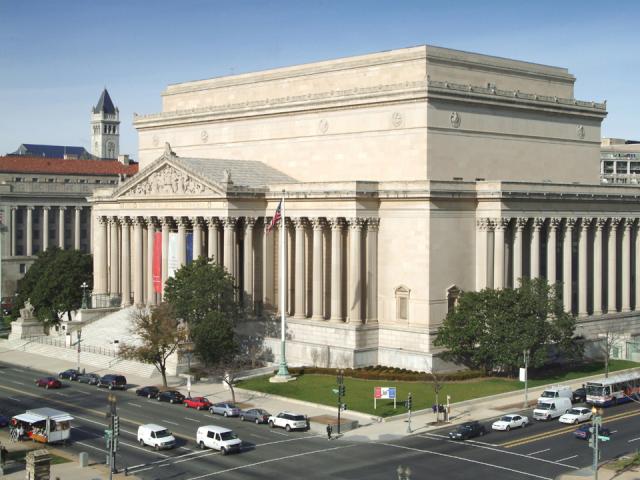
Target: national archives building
x,y
409,176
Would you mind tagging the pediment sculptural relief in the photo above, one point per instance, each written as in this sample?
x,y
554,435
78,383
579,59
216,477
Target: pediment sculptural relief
x,y
168,181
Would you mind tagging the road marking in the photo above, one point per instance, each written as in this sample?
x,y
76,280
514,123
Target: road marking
x,y
440,454
566,458
142,470
539,451
128,445
497,449
136,466
83,392
17,382
278,433
287,440
446,437
91,446
634,440
251,465
613,431
192,419
61,394
172,423
199,456
14,399
134,405
165,465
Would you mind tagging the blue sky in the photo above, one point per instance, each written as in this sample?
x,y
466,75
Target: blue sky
x,y
56,56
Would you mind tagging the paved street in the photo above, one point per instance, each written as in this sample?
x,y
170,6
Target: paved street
x,y
542,450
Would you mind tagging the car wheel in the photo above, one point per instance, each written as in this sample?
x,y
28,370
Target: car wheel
x,y
271,424
508,428
141,442
575,422
224,451
201,445
482,432
158,398
157,447
242,418
257,421
110,387
46,386
225,414
287,427
185,405
171,401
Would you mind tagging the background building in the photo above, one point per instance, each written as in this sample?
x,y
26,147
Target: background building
x,y
620,161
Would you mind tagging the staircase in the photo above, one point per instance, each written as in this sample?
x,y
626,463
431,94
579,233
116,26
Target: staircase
x,y
113,327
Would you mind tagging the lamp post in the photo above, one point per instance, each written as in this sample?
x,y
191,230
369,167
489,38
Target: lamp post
x,y
84,287
596,421
79,339
526,352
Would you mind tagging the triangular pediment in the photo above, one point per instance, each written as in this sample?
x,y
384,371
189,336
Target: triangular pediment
x,y
168,177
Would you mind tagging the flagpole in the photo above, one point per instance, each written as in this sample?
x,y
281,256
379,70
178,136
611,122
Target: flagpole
x,y
283,372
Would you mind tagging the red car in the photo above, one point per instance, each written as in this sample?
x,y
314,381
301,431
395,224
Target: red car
x,y
199,403
48,382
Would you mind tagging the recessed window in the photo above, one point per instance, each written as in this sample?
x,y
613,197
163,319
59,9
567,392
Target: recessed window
x,y
18,179
34,179
98,181
23,268
621,167
83,180
607,167
66,180
49,180
634,167
402,303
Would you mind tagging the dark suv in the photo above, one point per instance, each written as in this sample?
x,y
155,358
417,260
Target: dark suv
x,y
113,382
468,430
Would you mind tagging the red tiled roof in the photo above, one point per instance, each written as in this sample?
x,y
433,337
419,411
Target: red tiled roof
x,y
54,166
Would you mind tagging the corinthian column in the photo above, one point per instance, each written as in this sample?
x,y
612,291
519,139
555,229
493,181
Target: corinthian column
x,y
212,240
61,227
372,270
138,285
552,240
14,212
300,257
197,237
611,266
249,223
229,224
100,258
582,266
45,228
76,228
318,277
498,252
336,270
535,247
29,225
267,263
151,236
114,257
626,265
355,268
482,225
567,277
182,242
517,250
126,263
597,265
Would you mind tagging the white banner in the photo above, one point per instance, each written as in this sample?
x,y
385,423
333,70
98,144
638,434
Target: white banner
x,y
173,263
523,374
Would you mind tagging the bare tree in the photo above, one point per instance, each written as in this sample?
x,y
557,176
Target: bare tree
x,y
437,386
608,340
160,334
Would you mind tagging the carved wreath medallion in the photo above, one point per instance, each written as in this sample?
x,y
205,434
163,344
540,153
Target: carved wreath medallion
x,y
396,119
204,136
455,119
580,131
323,126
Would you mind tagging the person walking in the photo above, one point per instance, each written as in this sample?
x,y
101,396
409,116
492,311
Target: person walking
x,y
329,431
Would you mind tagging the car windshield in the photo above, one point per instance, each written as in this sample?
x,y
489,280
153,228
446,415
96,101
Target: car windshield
x,y
163,433
597,390
548,394
228,436
575,411
507,418
543,406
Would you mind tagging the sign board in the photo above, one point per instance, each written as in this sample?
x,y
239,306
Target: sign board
x,y
384,393
523,374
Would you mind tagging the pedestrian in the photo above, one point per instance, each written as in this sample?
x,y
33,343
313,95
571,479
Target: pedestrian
x,y
329,431
434,407
3,456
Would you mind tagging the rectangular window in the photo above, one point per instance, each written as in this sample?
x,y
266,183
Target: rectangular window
x,y
82,180
34,179
402,308
621,167
49,180
607,167
634,167
23,268
18,179
98,181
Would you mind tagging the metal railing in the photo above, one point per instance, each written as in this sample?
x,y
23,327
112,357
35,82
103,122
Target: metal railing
x,y
104,300
56,342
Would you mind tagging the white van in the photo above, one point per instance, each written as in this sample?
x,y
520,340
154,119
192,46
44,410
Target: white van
x,y
557,391
218,438
549,408
155,436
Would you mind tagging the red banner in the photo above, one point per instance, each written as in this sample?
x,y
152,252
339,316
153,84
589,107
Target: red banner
x,y
157,262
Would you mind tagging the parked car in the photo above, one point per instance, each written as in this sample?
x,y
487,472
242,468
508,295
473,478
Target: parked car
x,y
155,436
579,395
149,392
507,422
112,382
256,415
224,408
71,374
576,415
199,403
468,430
171,396
219,438
584,431
48,382
89,378
4,421
289,421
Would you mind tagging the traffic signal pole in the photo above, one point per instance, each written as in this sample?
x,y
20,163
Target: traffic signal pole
x,y
112,434
341,391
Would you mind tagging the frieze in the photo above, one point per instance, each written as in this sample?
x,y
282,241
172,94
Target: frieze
x,y
168,181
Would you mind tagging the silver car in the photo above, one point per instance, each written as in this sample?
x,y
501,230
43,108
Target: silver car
x,y
224,408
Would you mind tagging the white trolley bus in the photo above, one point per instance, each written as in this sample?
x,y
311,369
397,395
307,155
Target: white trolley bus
x,y
613,390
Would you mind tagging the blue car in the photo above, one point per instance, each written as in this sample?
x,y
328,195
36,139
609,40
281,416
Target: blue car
x,y
584,432
4,421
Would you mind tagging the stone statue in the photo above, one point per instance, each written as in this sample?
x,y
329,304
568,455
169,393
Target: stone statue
x,y
167,150
26,313
226,176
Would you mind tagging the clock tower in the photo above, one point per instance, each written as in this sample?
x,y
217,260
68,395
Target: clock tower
x,y
105,128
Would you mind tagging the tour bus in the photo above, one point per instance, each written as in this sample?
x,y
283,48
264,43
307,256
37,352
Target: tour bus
x,y
613,390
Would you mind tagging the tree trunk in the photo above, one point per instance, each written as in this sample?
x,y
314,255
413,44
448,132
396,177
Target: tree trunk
x,y
163,372
233,392
606,365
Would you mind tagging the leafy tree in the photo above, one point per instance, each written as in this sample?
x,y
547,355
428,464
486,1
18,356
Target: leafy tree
x,y
490,329
53,283
160,334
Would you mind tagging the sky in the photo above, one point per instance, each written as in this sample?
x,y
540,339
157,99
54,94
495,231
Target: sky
x,y
57,56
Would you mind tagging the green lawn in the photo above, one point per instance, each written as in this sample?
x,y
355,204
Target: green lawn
x,y
318,388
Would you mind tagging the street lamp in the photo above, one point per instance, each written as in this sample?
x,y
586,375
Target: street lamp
x,y
526,352
79,339
84,287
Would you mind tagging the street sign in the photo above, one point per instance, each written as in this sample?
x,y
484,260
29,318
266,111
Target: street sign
x,y
335,390
602,438
384,392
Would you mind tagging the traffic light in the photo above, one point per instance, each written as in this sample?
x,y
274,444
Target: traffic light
x,y
342,390
343,406
116,425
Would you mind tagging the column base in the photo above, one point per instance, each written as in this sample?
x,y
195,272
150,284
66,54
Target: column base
x,y
317,318
336,320
626,309
596,313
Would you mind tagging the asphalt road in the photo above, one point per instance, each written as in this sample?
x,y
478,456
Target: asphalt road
x,y
542,450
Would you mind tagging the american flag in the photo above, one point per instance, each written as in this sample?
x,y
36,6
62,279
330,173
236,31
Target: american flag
x,y
276,217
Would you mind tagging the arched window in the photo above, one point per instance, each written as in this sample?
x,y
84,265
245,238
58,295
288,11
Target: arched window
x,y
453,295
402,303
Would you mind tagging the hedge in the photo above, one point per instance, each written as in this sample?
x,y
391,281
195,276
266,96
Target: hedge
x,y
388,373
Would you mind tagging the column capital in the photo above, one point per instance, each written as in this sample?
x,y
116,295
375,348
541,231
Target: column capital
x,y
585,222
124,221
212,221
62,209
356,223
46,208
299,222
138,221
183,222
77,208
317,223
600,223
554,223
166,221
14,208
500,223
195,221
266,221
229,221
29,207
483,223
335,223
570,222
102,220
628,223
614,222
373,224
538,223
249,222
150,221
521,222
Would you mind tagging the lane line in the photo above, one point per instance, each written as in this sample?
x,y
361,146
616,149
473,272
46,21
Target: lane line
x,y
83,392
171,423
14,399
251,465
508,452
142,470
61,394
455,457
90,446
192,419
566,458
134,405
539,451
17,382
633,440
446,437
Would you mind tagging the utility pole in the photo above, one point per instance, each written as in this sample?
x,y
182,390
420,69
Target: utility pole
x,y
409,401
595,438
111,435
341,392
526,352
